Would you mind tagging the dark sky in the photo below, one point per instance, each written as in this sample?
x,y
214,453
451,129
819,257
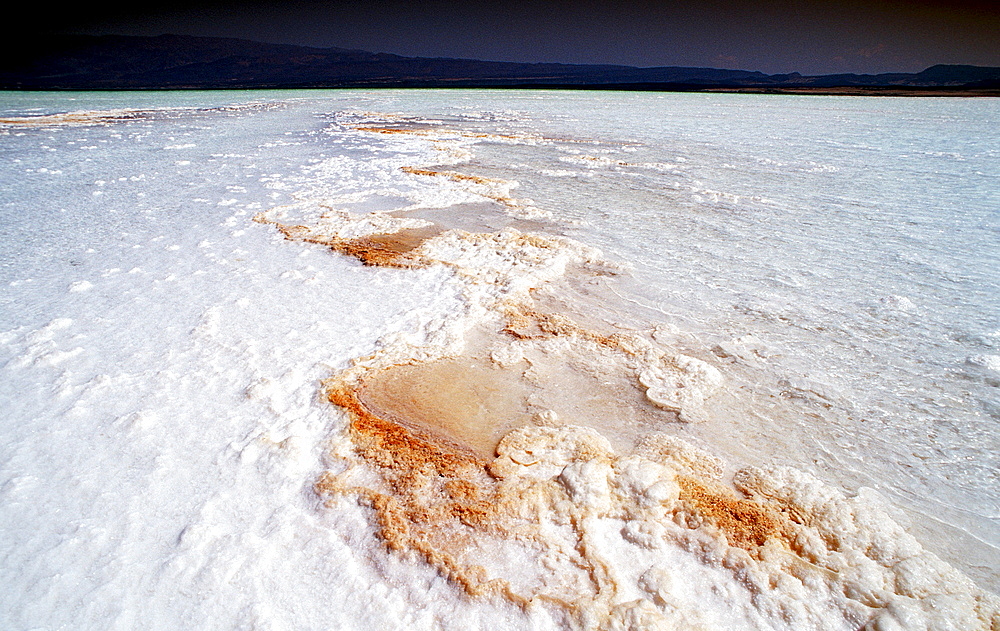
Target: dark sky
x,y
812,36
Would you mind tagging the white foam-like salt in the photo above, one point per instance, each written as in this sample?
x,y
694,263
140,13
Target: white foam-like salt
x,y
681,384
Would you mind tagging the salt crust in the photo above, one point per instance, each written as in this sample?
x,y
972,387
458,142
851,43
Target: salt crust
x,y
682,384
638,540
108,117
593,528
602,535
342,224
453,147
497,272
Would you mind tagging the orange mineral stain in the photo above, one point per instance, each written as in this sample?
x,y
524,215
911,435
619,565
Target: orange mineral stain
x,y
746,523
391,249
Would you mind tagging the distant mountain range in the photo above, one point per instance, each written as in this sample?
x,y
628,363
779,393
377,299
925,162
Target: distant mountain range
x,y
115,62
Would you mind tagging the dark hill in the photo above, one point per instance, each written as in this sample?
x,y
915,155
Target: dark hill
x,y
77,62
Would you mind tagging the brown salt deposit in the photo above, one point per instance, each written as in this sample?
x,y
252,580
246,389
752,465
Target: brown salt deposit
x,y
392,130
388,249
463,399
394,446
452,175
462,177
72,118
747,524
524,322
438,495
430,432
428,132
392,249
438,498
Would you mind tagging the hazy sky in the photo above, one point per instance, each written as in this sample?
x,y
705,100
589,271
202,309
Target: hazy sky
x,y
812,37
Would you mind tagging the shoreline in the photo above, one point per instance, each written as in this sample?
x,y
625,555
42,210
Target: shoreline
x,y
870,91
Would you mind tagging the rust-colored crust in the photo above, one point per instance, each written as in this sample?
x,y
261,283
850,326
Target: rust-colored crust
x,y
440,501
746,523
523,322
390,130
391,249
451,175
73,118
430,132
392,446
462,177
438,496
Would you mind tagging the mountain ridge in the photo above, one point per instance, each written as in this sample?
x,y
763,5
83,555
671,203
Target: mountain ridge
x,y
116,62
